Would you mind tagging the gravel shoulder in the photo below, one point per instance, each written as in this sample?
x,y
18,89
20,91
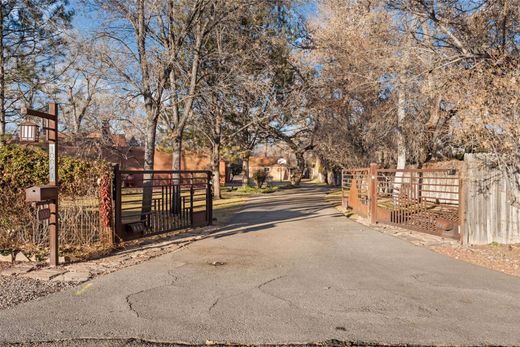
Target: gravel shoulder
x,y
24,281
15,290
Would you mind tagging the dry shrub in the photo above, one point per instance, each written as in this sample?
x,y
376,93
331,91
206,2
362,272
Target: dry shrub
x,y
79,205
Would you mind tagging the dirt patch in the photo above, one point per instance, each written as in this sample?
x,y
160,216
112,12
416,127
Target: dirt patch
x,y
4,265
503,258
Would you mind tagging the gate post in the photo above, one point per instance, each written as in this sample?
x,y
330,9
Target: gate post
x,y
463,179
117,205
372,193
343,204
192,193
209,199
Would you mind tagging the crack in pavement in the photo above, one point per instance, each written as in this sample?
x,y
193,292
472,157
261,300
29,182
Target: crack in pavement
x,y
130,304
269,281
174,277
213,305
259,287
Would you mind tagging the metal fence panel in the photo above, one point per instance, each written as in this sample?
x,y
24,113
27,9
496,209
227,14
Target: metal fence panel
x,y
154,202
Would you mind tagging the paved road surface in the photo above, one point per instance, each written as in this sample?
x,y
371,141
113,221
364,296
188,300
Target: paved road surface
x,y
289,269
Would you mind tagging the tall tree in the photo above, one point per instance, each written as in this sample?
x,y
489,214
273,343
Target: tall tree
x,y
31,43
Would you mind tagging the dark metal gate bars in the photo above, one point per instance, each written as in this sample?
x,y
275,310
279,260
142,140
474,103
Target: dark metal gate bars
x,y
153,202
427,200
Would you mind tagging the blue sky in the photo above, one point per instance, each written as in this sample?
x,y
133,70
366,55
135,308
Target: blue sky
x,y
83,20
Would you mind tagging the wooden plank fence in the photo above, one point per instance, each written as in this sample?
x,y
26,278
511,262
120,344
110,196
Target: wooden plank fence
x,y
490,215
477,200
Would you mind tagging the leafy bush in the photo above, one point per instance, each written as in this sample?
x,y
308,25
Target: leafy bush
x,y
255,190
24,166
260,176
235,168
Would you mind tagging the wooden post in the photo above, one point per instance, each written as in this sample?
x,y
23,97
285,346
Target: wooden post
x,y
209,200
463,174
372,193
192,193
343,189
118,230
52,137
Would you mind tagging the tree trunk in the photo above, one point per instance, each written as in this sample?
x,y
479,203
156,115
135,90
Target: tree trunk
x,y
320,171
215,167
245,169
330,178
177,153
215,157
401,145
177,166
300,168
151,113
149,152
2,78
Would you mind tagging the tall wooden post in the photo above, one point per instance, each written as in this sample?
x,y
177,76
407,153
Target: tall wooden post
x,y
209,199
52,137
118,228
343,204
463,179
372,193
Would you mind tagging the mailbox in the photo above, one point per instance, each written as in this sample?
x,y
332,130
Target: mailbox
x,y
42,193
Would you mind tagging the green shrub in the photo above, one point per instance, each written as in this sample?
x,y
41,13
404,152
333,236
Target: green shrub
x,y
235,168
260,176
255,190
24,166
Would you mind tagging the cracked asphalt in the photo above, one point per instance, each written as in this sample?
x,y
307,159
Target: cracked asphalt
x,y
288,269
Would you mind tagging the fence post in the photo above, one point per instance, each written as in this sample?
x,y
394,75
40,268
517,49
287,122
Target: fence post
x,y
372,193
191,203
209,199
117,205
463,174
343,189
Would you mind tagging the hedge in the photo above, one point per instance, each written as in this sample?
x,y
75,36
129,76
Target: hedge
x,y
23,166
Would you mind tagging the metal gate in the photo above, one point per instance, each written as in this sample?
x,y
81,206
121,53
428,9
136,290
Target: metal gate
x,y
426,200
154,202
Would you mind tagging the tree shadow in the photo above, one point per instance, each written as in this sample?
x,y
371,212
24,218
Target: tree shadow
x,y
263,213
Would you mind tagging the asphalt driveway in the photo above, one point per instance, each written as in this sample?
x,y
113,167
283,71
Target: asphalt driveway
x,y
290,269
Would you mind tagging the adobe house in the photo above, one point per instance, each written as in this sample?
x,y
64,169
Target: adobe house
x,y
278,172
115,149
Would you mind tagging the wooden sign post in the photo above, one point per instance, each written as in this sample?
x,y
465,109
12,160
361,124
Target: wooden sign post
x,y
52,138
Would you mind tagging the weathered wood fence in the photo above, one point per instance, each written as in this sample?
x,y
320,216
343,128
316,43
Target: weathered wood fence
x,y
471,202
426,200
490,215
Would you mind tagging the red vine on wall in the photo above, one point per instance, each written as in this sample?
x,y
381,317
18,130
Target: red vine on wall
x,y
105,202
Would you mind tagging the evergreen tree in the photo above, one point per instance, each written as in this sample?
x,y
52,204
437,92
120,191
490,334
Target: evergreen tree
x,y
31,44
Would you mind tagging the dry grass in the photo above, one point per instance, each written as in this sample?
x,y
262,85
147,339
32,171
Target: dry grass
x,y
503,258
334,196
224,209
